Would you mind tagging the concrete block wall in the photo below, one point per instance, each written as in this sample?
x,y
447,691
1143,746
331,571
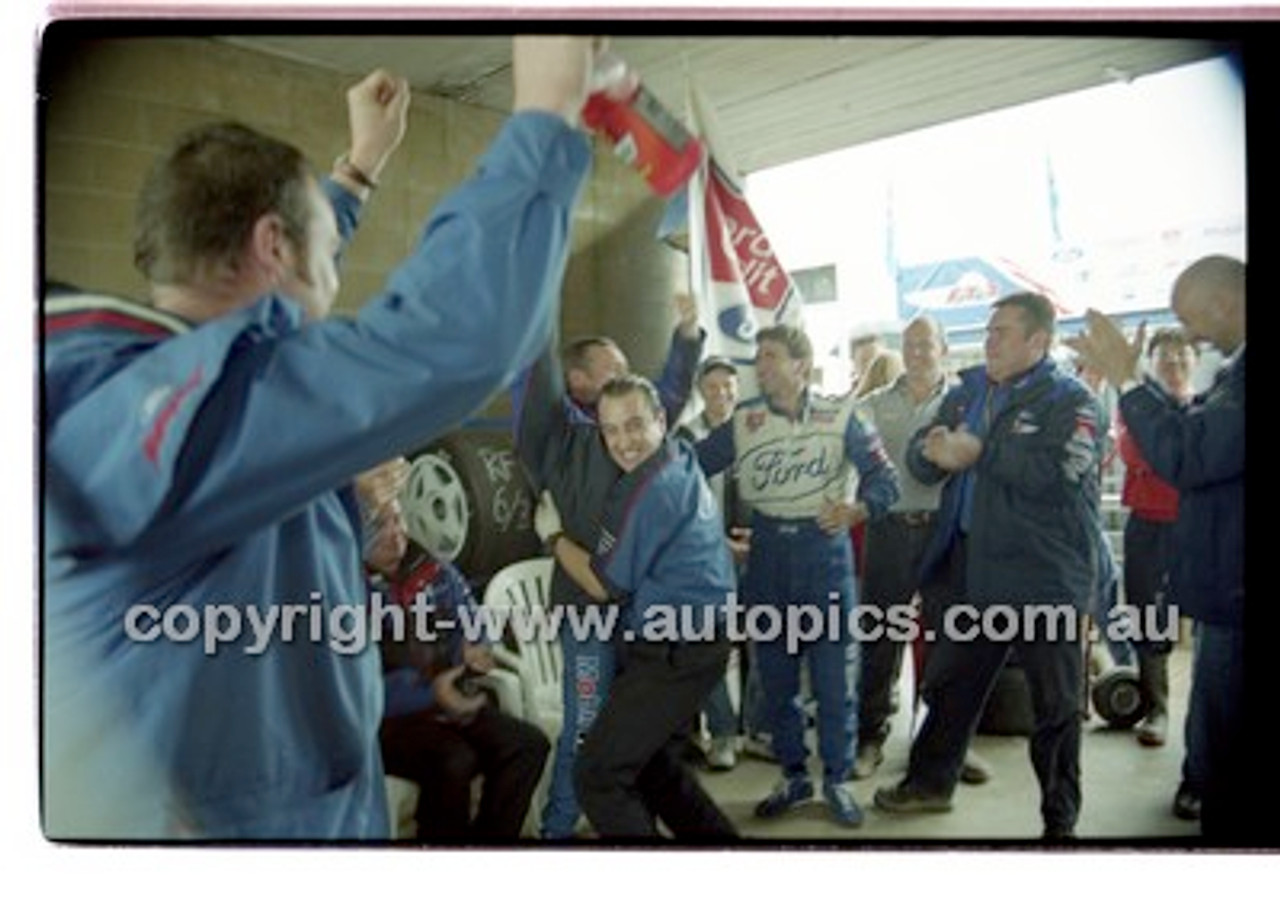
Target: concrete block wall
x,y
110,106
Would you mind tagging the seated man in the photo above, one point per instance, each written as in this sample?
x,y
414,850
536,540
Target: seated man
x,y
662,553
437,730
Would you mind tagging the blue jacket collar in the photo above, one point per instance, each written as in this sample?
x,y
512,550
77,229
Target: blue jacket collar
x,y
975,377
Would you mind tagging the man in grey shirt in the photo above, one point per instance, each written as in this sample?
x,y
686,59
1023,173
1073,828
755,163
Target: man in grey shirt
x,y
895,544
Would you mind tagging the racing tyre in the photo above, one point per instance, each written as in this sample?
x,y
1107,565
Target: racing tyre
x,y
1118,697
467,501
1008,711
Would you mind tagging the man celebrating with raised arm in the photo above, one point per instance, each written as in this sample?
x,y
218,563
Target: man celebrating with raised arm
x,y
200,449
661,554
557,438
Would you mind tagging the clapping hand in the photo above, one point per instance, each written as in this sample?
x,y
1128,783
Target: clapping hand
x,y
1103,347
952,449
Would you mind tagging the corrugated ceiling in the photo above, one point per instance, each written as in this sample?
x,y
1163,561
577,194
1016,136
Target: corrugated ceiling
x,y
777,100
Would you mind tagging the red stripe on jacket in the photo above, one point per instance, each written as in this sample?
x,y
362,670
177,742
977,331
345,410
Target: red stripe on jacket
x,y
78,319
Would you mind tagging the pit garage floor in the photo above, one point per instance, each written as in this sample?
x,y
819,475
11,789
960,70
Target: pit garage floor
x,y
1127,791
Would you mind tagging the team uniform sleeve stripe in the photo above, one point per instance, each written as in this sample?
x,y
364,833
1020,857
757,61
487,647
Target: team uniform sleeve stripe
x,y
66,322
58,323
79,311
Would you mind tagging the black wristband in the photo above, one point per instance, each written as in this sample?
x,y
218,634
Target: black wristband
x,y
344,165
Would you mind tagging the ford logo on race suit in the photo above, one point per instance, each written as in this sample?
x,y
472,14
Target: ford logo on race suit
x,y
737,322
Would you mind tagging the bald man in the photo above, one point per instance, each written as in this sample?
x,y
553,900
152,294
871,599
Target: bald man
x,y
1199,450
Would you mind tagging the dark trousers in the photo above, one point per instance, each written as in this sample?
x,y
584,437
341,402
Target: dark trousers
x,y
444,757
630,772
961,675
1229,794
958,678
891,578
1148,549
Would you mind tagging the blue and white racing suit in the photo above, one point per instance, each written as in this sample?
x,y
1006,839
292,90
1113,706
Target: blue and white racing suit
x,y
787,469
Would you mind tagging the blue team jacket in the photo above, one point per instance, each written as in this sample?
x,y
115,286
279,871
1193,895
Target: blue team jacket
x,y
192,467
1036,490
1200,451
417,649
662,547
560,446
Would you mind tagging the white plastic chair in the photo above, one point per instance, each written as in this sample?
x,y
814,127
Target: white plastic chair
x,y
523,589
532,653
402,804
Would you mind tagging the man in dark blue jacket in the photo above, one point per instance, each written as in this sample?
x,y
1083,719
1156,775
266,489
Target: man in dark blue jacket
x,y
661,555
558,439
1199,450
1017,442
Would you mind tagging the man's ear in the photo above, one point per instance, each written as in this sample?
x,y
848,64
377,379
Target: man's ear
x,y
269,250
1223,306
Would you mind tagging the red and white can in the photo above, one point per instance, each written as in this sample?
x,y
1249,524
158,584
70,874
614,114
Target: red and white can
x,y
643,132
